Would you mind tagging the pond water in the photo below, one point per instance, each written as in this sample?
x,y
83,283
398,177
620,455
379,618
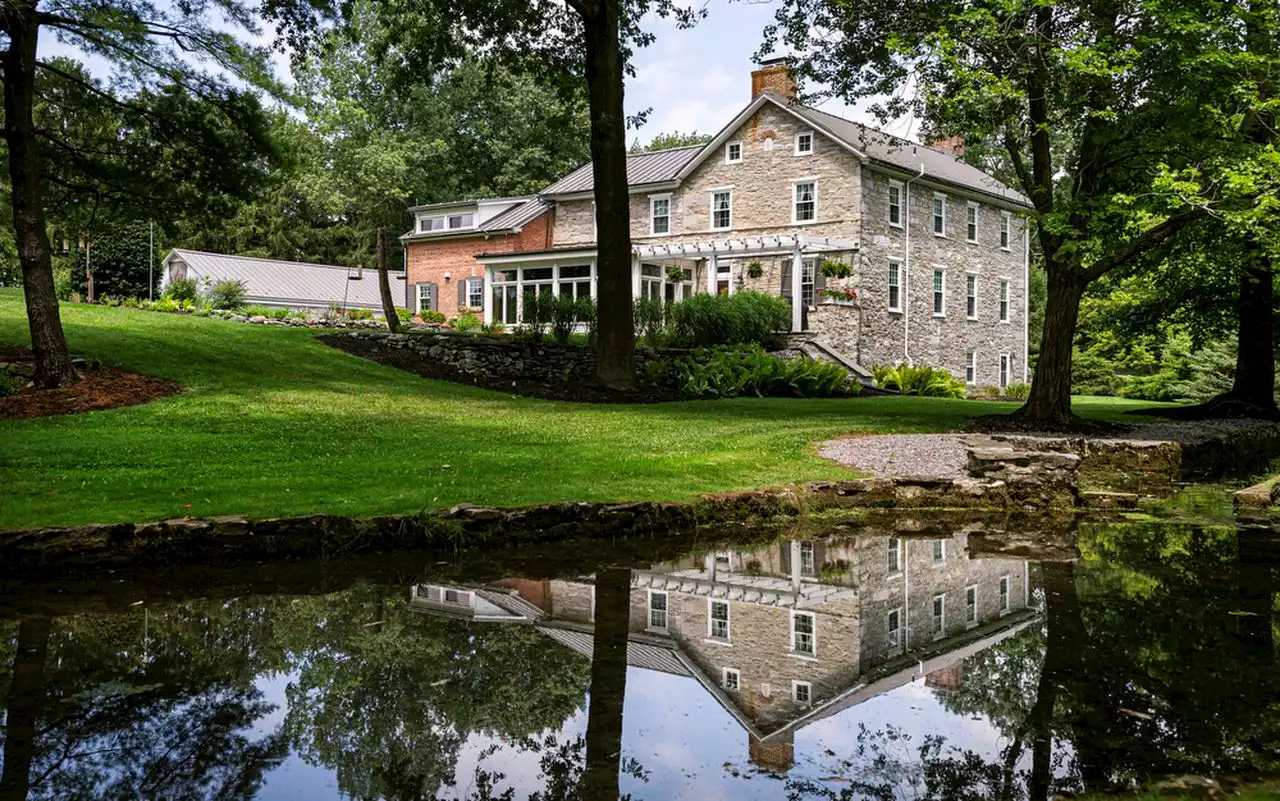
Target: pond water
x,y
850,662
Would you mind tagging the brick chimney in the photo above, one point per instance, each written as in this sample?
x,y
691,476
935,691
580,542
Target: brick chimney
x,y
949,144
777,756
774,76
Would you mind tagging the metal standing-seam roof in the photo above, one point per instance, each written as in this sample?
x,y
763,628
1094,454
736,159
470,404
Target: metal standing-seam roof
x,y
906,155
509,220
291,283
642,168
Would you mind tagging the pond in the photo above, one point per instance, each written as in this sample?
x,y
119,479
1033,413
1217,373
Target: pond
x,y
843,662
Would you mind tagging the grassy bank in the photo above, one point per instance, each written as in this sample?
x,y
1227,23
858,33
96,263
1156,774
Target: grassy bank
x,y
275,423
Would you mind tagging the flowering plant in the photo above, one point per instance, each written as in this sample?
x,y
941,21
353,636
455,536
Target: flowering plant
x,y
839,294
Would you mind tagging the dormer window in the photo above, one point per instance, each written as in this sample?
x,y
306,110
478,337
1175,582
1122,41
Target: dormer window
x,y
733,153
467,220
426,224
804,143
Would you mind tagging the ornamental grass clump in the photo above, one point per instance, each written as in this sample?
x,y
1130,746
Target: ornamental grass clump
x,y
744,318
727,372
928,382
229,294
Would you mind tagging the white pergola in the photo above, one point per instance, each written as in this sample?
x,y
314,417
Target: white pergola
x,y
798,245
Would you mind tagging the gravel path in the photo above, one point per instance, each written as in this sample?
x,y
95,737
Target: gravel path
x,y
941,455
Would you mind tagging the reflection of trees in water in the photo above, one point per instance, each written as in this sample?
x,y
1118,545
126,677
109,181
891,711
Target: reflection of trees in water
x,y
1157,655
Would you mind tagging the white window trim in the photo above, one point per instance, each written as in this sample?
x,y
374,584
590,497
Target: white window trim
x,y
741,152
932,292
648,612
653,199
1008,301
795,686
728,638
724,679
935,562
971,362
975,207
813,142
892,308
711,211
901,628
933,215
476,280
971,623
977,293
901,217
1006,363
802,654
1007,582
900,550
795,199
942,630
1006,220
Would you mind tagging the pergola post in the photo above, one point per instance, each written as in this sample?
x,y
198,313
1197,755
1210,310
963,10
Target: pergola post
x,y
486,299
635,275
713,270
797,302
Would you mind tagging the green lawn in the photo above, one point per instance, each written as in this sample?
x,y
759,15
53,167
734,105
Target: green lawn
x,y
277,424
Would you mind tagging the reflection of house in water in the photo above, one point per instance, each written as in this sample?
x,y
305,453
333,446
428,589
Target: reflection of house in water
x,y
790,633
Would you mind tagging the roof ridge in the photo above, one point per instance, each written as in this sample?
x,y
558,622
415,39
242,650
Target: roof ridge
x,y
874,129
666,149
263,258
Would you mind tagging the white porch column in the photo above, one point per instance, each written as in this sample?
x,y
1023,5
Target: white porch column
x,y
797,303
713,273
635,275
487,296
795,566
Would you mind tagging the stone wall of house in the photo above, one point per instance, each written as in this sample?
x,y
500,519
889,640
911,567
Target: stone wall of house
x,y
940,341
838,325
574,601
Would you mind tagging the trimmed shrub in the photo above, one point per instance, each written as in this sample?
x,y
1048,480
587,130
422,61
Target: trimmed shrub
x,y
467,323
182,289
536,318
652,318
1018,390
564,318
431,316
586,314
404,315
745,318
227,294
733,372
924,381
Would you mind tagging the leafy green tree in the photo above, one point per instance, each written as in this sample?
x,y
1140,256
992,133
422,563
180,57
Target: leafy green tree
x,y
1101,108
666,141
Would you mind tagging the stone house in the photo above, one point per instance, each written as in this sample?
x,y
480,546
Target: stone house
x,y
788,633
936,249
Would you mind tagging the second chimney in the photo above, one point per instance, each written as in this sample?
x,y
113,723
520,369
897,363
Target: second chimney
x,y
774,76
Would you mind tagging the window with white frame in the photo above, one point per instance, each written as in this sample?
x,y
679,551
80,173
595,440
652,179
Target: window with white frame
x,y
1004,594
1004,301
733,153
467,220
939,553
431,224
475,293
895,286
971,222
939,293
808,560
535,281
722,209
1004,370
895,555
939,615
660,215
971,296
731,679
1005,224
971,367
801,692
803,633
895,204
718,620
805,208
575,280
658,610
506,296
809,280
426,297
894,627
940,215
971,605
804,143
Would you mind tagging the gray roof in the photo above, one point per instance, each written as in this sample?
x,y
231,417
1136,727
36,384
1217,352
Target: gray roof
x,y
905,155
451,203
511,219
640,654
291,283
642,168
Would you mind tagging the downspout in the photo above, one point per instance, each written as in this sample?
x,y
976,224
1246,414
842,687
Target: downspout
x,y
906,269
1026,303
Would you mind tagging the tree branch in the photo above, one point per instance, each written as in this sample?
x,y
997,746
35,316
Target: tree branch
x,y
1142,242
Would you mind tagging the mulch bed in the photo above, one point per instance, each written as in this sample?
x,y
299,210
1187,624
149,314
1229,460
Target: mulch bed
x,y
1077,426
98,388
579,392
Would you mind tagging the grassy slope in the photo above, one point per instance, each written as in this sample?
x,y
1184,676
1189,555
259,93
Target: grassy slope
x,y
277,424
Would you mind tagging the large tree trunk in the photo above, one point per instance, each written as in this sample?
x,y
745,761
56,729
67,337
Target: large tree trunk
x,y
1050,399
384,284
608,684
53,362
1255,378
26,695
615,342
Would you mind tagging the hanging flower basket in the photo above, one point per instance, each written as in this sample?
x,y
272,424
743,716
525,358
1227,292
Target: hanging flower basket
x,y
675,275
836,269
842,297
755,269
